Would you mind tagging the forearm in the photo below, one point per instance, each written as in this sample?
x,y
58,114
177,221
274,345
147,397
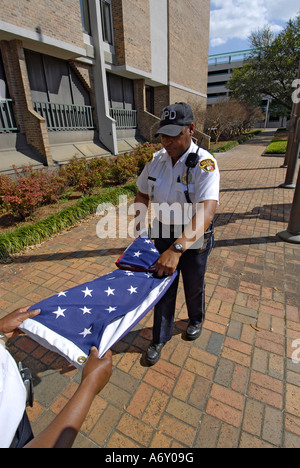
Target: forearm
x,y
169,259
198,225
62,432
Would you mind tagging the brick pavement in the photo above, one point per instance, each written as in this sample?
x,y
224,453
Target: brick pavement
x,y
236,386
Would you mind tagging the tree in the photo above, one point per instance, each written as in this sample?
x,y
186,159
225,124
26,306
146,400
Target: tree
x,y
271,68
230,118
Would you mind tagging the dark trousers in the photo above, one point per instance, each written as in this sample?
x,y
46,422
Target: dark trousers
x,y
192,266
24,433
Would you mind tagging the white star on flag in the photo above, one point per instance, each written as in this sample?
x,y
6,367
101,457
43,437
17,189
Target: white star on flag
x,y
59,312
87,292
132,290
137,254
86,332
63,293
110,292
111,309
85,310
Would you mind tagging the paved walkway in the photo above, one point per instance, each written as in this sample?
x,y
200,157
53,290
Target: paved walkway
x,y
236,386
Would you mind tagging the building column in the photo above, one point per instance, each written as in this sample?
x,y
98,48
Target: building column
x,y
107,125
30,122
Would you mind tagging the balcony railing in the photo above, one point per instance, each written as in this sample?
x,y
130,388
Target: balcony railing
x,y
65,116
124,118
7,120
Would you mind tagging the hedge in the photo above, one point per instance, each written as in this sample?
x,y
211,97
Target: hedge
x,y
15,241
237,142
277,146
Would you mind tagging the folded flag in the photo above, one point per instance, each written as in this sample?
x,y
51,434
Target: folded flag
x,y
141,255
98,313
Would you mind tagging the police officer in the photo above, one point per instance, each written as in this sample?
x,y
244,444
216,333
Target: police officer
x,y
186,178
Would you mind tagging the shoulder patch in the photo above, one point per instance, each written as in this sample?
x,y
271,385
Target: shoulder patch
x,y
208,165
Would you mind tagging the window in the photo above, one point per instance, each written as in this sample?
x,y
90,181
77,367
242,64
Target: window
x,y
150,99
53,80
7,119
120,92
58,94
3,85
85,16
106,22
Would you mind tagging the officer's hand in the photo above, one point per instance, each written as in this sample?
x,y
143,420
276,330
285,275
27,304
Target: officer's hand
x,y
9,324
167,263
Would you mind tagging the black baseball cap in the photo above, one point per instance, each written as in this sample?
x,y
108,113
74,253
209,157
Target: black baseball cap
x,y
174,118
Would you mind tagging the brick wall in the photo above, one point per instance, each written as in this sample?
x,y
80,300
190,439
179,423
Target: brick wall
x,y
60,19
197,103
119,44
188,43
132,33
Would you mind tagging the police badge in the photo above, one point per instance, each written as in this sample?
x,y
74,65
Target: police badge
x,y
186,178
208,165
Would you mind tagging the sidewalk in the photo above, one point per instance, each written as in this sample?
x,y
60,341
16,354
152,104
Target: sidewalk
x,y
236,386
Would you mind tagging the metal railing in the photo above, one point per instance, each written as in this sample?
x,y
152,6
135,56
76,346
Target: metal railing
x,y
230,57
7,119
124,118
65,116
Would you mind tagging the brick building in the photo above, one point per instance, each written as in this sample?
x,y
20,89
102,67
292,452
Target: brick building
x,y
86,76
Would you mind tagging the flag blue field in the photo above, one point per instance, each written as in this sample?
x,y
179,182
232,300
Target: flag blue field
x,y
101,312
141,255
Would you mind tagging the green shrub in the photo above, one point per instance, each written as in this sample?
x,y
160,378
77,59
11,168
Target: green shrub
x,y
277,146
30,189
15,241
85,174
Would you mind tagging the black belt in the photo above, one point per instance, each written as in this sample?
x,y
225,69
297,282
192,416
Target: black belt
x,y
176,227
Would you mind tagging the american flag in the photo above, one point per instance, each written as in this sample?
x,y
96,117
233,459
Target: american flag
x,y
101,312
141,255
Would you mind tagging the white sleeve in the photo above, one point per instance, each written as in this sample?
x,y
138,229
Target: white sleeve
x,y
142,182
12,398
208,187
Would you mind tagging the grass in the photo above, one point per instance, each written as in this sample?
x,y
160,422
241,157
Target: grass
x,y
231,144
277,146
15,241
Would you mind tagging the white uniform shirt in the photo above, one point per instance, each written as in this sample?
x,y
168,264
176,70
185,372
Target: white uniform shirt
x,y
165,183
12,397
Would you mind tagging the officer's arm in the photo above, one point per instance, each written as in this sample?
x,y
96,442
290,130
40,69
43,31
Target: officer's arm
x,y
141,204
168,261
195,229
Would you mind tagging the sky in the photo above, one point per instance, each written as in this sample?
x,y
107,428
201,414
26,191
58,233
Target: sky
x,y
232,21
